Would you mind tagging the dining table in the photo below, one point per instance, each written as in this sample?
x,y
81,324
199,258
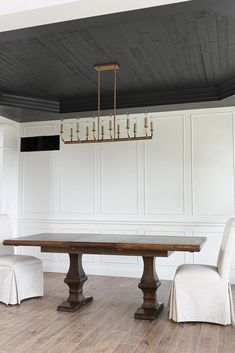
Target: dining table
x,y
76,244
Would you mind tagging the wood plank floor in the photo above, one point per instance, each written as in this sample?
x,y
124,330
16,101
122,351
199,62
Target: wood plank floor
x,y
106,325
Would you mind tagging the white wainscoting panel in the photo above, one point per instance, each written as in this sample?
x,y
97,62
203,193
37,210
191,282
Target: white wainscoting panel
x,y
77,184
9,167
164,168
38,183
213,163
119,178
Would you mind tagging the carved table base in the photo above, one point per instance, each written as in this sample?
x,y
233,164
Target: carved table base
x,y
75,279
149,284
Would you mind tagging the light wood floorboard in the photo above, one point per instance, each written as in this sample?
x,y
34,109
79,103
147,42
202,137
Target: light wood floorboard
x,y
106,325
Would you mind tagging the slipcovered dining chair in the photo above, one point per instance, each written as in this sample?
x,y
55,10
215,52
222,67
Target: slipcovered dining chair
x,y
202,292
21,276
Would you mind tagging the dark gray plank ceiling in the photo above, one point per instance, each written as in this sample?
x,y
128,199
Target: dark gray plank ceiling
x,y
170,54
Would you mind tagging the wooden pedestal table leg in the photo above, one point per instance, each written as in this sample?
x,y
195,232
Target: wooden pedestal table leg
x,y
75,279
149,284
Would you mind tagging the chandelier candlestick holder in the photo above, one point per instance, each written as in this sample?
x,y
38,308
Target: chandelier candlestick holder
x,y
98,130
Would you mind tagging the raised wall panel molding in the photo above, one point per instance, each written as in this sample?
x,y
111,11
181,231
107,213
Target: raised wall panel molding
x,y
162,193
85,197
35,130
28,209
174,223
213,171
116,154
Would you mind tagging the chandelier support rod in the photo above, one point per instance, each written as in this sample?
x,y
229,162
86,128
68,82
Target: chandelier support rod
x,y
114,100
98,103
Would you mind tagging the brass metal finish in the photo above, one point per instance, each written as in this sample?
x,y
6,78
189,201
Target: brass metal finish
x,y
114,130
107,67
98,106
114,100
118,139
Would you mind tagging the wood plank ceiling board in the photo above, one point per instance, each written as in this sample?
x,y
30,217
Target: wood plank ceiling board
x,y
173,54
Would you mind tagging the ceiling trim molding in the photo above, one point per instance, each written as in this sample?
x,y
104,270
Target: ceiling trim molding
x,y
226,89
33,103
134,100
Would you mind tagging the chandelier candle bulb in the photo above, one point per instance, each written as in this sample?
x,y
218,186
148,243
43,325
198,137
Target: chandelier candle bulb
x,y
118,130
134,128
146,122
61,126
71,133
77,125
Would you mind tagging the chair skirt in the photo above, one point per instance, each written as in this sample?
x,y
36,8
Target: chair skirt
x,y
21,277
200,294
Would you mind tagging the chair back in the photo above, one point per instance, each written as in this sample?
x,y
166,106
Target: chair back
x,y
5,233
226,249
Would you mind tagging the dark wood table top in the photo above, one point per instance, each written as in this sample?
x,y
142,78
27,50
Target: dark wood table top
x,y
110,241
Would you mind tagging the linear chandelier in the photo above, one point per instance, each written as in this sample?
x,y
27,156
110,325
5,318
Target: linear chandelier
x,y
98,132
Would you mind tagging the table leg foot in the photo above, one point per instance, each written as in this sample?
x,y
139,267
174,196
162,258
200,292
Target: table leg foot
x,y
73,306
75,279
148,313
149,284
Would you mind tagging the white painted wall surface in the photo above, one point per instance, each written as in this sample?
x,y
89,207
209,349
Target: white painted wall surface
x,y
22,14
13,6
180,183
9,157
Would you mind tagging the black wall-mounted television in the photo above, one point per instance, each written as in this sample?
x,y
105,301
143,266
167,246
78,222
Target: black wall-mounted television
x,y
40,143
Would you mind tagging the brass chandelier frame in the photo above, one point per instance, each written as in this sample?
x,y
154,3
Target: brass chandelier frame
x,y
97,134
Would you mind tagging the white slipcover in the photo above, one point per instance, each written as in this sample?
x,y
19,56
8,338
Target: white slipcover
x,y
21,276
203,293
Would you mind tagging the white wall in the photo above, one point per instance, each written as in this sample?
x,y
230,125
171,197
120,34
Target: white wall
x,y
17,14
9,156
180,183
